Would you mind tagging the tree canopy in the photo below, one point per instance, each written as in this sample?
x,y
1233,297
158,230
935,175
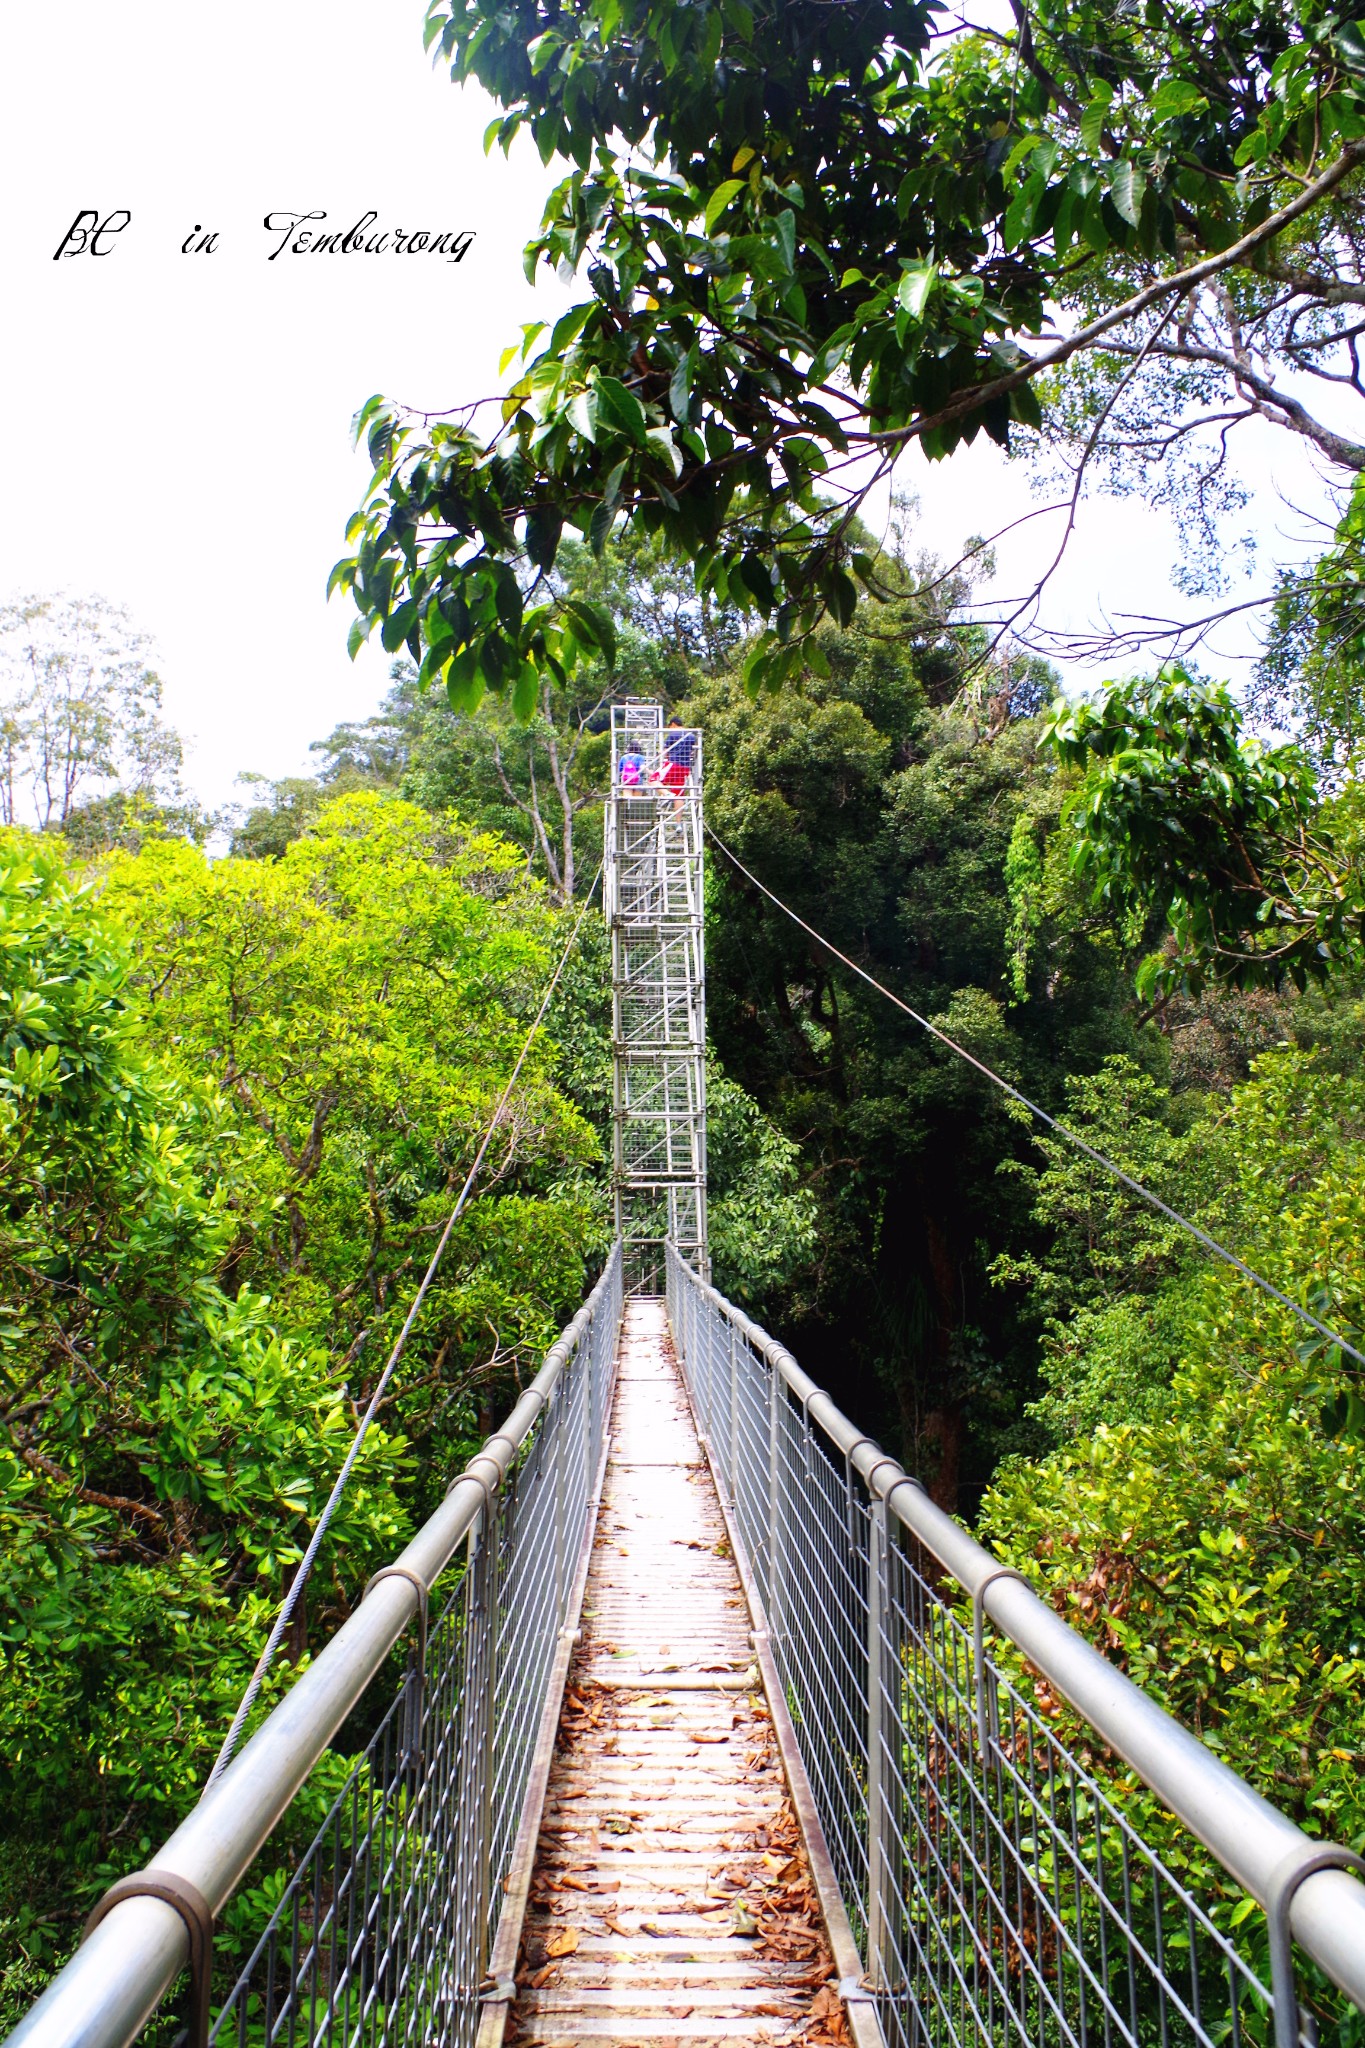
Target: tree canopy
x,y
810,235
1217,845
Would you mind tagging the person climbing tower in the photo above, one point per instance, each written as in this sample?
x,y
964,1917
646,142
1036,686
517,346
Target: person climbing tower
x,y
680,748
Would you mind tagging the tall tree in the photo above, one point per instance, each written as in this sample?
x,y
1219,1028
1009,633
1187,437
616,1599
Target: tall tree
x,y
890,815
83,743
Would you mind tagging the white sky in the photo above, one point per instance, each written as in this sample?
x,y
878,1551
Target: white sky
x,y
177,427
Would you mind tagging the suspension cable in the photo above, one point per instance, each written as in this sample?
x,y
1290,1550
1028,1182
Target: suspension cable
x,y
1063,1131
291,1598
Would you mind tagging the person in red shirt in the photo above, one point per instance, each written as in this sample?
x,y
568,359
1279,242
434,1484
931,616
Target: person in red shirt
x,y
680,749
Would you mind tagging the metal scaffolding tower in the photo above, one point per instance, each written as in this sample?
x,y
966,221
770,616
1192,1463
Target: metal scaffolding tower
x,y
653,894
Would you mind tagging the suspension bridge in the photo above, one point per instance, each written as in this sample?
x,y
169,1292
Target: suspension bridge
x,y
713,1727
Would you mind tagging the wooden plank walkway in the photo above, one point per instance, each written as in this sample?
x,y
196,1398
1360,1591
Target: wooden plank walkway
x,y
671,1901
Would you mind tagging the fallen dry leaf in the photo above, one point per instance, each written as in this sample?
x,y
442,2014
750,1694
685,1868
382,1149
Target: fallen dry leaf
x,y
562,1943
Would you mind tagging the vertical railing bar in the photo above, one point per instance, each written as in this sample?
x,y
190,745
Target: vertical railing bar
x,y
1128,1946
1159,1944
292,2001
272,1955
876,1544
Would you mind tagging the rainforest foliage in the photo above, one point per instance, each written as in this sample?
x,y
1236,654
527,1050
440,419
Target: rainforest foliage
x,y
237,1098
239,1090
1045,1350
801,238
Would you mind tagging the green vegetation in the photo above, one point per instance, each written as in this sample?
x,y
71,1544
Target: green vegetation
x,y
234,1098
237,1092
1202,1517
238,1096
804,237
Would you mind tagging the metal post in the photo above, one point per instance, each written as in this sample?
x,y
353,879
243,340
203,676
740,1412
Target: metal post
x,y
734,1417
558,1420
595,1378
876,1682
775,1507
483,1670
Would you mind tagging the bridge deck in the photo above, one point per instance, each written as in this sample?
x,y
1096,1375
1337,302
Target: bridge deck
x,y
671,1900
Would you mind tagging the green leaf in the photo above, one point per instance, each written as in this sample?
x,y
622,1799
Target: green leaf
x,y
1126,189
599,527
1350,41
662,445
614,483
583,414
915,287
1024,147
547,49
758,662
543,528
526,693
756,577
1021,210
1096,116
842,593
398,625
1025,406
723,197
464,682
680,384
507,596
569,326
785,227
594,623
1174,97
621,410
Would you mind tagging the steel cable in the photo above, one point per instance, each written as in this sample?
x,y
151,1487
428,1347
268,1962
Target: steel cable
x,y
1063,1131
291,1598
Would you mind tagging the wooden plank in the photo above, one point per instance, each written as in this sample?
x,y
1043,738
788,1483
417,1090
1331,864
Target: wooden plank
x,y
671,1899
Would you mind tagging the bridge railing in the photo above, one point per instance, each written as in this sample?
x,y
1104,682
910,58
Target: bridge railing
x,y
384,1929
996,1893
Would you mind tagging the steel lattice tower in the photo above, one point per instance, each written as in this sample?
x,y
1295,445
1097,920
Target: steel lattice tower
x,y
653,895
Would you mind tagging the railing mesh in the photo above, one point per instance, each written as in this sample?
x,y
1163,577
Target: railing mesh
x,y
996,1894
384,1929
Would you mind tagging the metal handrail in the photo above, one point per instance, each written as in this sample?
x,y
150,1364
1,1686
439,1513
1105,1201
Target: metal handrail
x,y
1265,1852
113,1983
